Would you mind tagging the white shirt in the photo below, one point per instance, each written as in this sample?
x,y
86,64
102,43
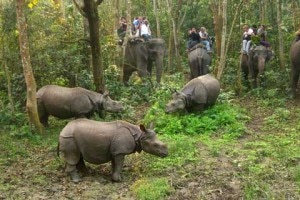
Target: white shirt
x,y
145,30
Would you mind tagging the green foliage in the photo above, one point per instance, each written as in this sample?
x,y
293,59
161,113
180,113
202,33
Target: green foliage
x,y
151,188
221,117
182,150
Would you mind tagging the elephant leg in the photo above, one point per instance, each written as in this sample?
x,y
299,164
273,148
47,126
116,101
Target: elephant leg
x,y
253,75
294,81
127,72
117,165
255,79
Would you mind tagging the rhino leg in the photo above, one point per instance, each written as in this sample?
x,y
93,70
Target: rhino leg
x,y
71,155
43,115
44,120
81,165
117,165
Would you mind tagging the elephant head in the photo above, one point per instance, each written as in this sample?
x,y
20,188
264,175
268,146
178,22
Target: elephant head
x,y
258,57
295,65
139,56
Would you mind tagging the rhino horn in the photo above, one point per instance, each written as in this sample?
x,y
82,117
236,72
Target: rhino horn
x,y
173,90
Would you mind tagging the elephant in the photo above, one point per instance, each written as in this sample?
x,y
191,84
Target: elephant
x,y
257,59
199,61
295,65
139,56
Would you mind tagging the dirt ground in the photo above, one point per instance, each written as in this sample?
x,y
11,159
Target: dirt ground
x,y
40,175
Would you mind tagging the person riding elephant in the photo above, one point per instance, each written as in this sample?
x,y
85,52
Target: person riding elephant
x,y
139,56
199,61
257,59
295,63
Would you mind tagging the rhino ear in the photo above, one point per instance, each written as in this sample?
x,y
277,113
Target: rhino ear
x,y
105,94
142,127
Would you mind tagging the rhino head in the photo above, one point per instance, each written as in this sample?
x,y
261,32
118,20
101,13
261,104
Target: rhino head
x,y
177,103
110,105
150,144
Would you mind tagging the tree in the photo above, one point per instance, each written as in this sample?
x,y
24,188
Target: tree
x,y
31,103
223,40
89,9
280,35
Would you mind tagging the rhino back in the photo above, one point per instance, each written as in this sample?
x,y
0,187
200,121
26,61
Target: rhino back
x,y
64,102
212,86
196,91
99,141
203,89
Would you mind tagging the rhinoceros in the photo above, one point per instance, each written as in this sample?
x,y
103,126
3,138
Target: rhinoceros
x,y
64,103
100,142
198,94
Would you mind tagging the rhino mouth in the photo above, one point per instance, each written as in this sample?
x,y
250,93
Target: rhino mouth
x,y
163,155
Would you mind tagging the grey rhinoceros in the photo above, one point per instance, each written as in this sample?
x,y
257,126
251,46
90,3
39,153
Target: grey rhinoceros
x,y
198,94
64,103
100,142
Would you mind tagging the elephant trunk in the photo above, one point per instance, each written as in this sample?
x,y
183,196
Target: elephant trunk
x,y
159,60
261,64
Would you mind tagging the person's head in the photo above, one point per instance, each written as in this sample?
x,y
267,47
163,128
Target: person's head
x,y
146,22
193,29
123,19
245,27
203,29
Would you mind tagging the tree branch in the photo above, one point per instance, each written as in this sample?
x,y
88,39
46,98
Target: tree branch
x,y
79,8
99,2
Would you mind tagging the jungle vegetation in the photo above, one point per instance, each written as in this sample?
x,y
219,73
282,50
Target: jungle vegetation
x,y
246,147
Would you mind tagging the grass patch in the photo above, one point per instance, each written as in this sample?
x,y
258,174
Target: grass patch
x,y
151,188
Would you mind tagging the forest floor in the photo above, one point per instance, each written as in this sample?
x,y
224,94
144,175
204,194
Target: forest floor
x,y
34,172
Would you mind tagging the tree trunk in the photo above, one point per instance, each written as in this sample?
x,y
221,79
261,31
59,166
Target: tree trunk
x,y
9,87
31,104
91,12
280,35
216,10
156,18
173,17
223,47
